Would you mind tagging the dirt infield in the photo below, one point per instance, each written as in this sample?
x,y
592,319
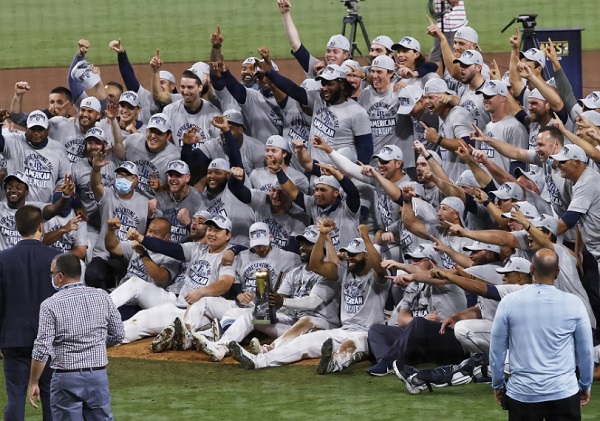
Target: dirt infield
x,y
42,80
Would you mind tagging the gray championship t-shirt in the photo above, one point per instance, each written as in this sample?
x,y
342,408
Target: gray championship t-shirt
x,y
182,121
457,124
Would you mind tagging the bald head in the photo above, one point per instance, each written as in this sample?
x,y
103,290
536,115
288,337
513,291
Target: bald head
x,y
545,266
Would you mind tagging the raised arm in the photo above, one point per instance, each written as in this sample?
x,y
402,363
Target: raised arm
x,y
409,219
16,105
98,161
112,243
125,67
504,148
158,94
498,237
317,262
118,147
373,255
288,25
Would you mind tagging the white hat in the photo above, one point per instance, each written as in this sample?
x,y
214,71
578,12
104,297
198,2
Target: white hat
x,y
470,57
436,86
357,245
592,101
219,221
492,88
219,164
200,69
311,84
166,75
160,122
479,246
203,213
409,43
259,234
385,41
424,251
130,97
454,203
389,153
96,133
536,94
178,166
328,180
418,188
592,116
83,73
436,156
339,41
536,176
19,175
408,97
385,62
534,54
349,63
516,264
546,221
249,60
468,34
570,152
235,117
310,234
509,190
467,179
526,208
91,103
278,142
128,166
332,72
37,118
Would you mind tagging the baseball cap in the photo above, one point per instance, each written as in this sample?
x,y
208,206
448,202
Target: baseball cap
x,y
408,43
235,117
385,41
128,166
130,97
219,221
249,60
259,234
509,190
37,119
160,122
357,245
310,234
592,116
389,153
178,166
166,75
332,72
96,133
492,88
569,152
454,203
469,57
385,62
592,101
546,221
526,208
534,54
479,246
278,142
311,84
424,251
200,69
468,34
91,103
17,175
536,176
219,164
467,179
328,180
418,188
83,73
203,213
436,156
436,86
347,64
536,94
516,264
408,97
339,41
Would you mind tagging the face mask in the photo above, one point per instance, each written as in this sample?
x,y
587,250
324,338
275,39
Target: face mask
x,y
123,185
56,287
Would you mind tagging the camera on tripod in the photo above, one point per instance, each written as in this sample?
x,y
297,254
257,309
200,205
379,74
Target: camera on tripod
x,y
528,21
352,5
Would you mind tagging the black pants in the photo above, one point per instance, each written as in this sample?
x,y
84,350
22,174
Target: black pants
x,y
103,274
566,409
17,365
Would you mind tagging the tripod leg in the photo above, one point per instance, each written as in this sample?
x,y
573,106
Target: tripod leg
x,y
364,32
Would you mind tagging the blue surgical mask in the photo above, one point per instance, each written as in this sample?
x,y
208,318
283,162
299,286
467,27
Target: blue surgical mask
x,y
123,185
56,287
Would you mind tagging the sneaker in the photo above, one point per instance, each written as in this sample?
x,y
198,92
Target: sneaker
x,y
408,376
216,352
164,340
216,329
179,335
255,347
239,354
382,368
324,366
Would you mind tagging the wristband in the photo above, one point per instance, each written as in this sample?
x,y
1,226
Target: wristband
x,y
66,196
486,202
439,140
428,157
528,228
407,200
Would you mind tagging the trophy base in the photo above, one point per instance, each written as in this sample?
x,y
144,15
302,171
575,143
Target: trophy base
x,y
261,322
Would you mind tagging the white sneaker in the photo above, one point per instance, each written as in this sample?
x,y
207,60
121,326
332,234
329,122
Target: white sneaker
x,y
256,348
216,352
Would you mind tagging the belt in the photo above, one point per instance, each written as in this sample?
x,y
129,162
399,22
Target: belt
x,y
75,370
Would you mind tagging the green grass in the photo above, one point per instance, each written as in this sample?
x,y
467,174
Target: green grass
x,y
39,33
151,390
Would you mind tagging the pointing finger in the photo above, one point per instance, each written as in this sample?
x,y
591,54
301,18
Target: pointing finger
x,y
423,124
158,53
219,29
431,22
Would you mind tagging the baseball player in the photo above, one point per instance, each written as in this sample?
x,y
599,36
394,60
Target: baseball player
x,y
59,103
67,231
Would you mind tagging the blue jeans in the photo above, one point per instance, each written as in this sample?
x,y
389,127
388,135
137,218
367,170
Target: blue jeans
x,y
80,395
17,364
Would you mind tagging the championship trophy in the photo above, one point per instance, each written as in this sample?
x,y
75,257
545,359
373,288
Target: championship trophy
x,y
264,313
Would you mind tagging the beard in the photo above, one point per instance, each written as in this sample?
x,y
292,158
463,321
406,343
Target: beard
x,y
359,266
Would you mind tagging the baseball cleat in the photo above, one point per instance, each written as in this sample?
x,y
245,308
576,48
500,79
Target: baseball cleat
x,y
382,368
217,330
238,354
255,347
408,376
179,335
164,340
216,352
326,357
